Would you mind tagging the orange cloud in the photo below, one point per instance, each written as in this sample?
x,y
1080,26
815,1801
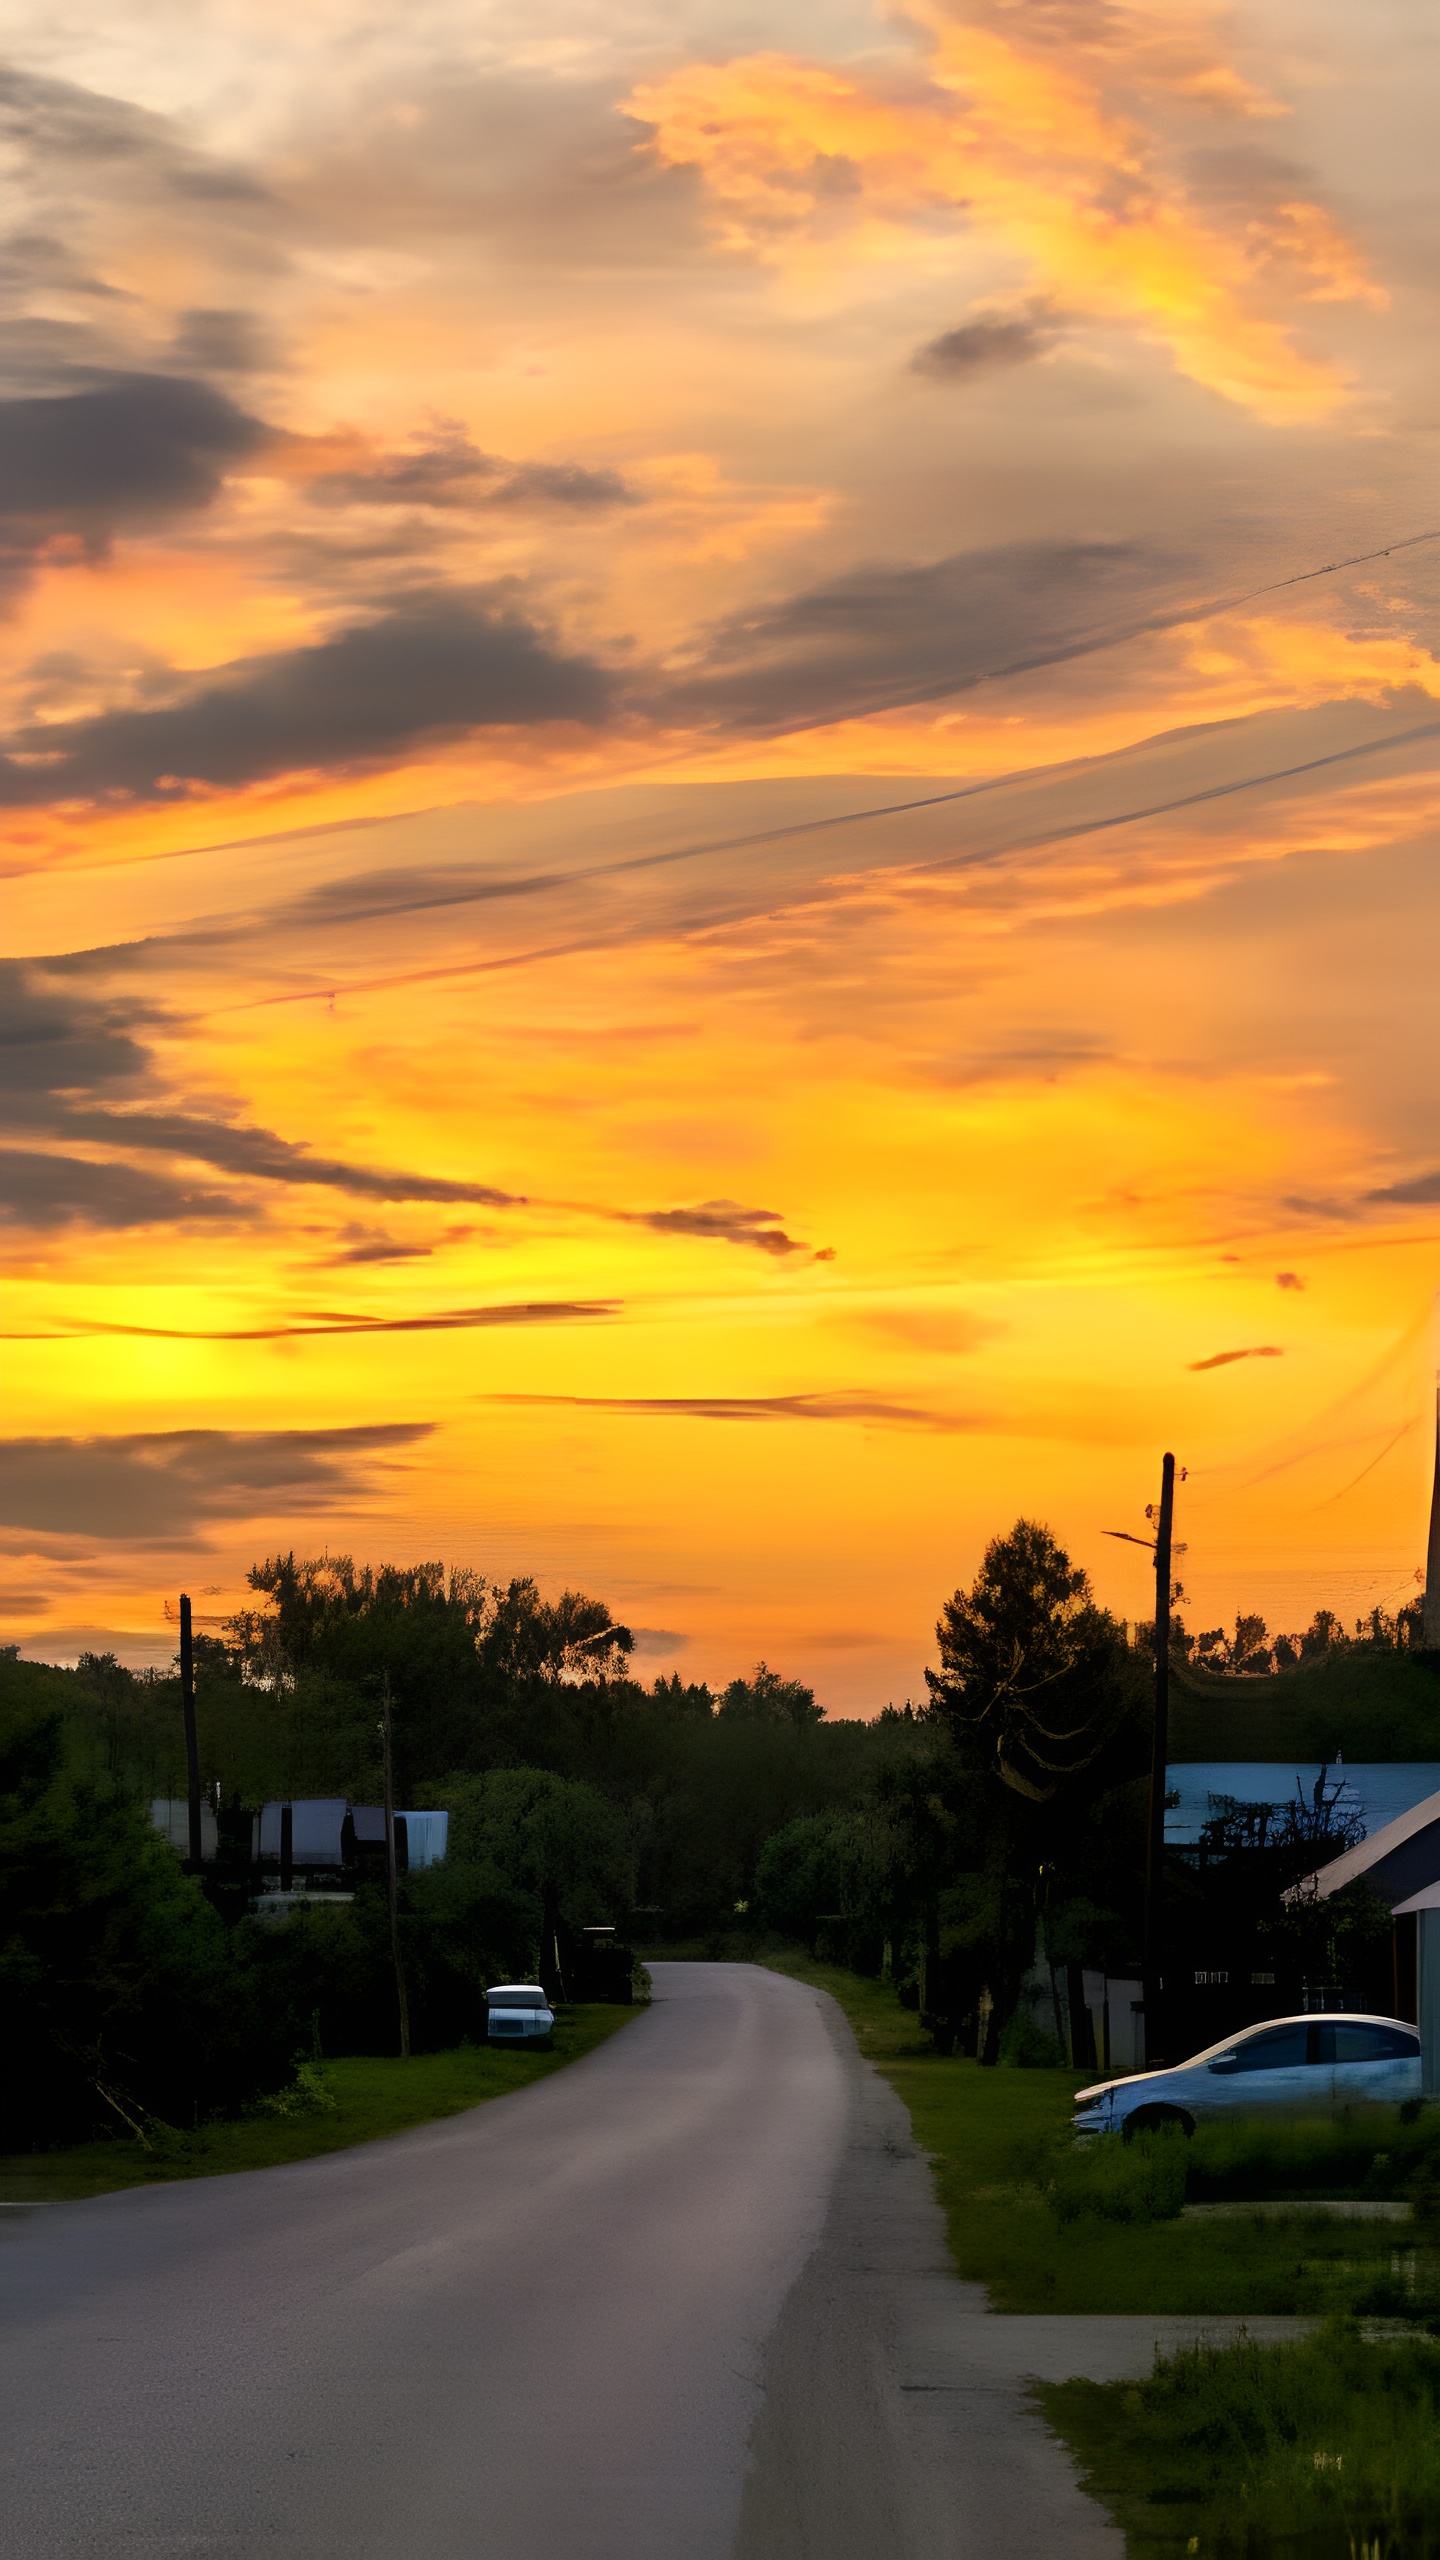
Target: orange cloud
x,y
1025,144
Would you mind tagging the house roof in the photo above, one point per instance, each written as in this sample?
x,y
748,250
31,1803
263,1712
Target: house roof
x,y
1428,1899
1398,1861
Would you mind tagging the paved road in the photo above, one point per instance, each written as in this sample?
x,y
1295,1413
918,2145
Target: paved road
x,y
686,2300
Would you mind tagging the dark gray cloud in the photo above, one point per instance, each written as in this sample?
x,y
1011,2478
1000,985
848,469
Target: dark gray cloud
x,y
263,1156
845,1407
1420,1193
41,1192
129,451
220,342
365,1244
318,1325
880,637
986,344
450,471
59,1045
55,1040
56,121
726,1220
362,895
434,666
147,1485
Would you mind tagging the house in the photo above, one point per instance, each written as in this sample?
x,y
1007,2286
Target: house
x,y
170,1816
1397,1861
318,1842
1401,1863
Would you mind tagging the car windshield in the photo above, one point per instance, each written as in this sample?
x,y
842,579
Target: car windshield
x,y
524,1996
1229,2044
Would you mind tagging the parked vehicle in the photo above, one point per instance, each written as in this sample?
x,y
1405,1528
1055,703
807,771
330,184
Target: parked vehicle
x,y
519,2013
1297,2066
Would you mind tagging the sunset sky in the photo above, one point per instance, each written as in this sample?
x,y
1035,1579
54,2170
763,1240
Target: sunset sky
x,y
721,786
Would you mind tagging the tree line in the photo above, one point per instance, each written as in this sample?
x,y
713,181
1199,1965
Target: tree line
x,y
937,1841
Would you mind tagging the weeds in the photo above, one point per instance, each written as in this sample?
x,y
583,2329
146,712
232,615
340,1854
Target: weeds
x,y
1116,2181
1369,2152
310,2093
1324,2446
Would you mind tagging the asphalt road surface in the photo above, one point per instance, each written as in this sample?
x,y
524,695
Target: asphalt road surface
x,y
685,2300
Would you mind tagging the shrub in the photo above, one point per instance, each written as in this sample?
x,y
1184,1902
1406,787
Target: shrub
x,y
124,1996
310,2093
1027,2046
1111,2180
1322,2445
1367,2151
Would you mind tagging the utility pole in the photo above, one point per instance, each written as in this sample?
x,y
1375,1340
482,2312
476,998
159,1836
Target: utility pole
x,y
1160,1747
1161,1515
1431,1614
192,1738
392,1874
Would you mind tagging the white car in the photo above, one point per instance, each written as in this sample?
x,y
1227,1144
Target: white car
x,y
1299,2066
519,2013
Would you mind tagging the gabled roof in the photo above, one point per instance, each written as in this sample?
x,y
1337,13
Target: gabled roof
x,y
1396,1862
1427,1899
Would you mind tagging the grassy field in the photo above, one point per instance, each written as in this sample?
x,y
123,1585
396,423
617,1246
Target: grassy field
x,y
359,2098
1047,2232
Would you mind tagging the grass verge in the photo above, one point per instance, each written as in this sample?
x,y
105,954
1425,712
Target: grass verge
x,y
357,2098
1322,2448
1037,2226
1327,2448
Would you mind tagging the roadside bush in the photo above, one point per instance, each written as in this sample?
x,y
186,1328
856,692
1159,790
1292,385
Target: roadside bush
x,y
1326,2446
1367,2152
1111,2180
333,1973
130,2006
310,2093
1028,2046
124,1996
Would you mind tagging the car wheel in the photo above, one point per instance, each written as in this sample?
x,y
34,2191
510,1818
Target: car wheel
x,y
1155,2119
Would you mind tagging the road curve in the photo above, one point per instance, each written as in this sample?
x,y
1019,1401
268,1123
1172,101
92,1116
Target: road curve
x,y
564,2326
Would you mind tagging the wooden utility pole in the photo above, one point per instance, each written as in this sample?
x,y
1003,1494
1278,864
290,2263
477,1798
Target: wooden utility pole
x,y
1160,1749
1162,1519
1430,1619
192,1738
393,1875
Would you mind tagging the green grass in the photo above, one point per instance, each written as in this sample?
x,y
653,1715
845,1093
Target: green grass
x,y
1003,2160
358,2098
1322,2449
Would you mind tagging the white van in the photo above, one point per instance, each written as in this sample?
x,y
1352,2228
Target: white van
x,y
519,2013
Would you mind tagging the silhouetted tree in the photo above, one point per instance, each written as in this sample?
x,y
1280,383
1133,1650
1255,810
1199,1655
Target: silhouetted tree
x,y
1031,1671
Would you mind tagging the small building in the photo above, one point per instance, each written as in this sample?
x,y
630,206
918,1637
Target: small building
x,y
421,1839
304,1835
170,1816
